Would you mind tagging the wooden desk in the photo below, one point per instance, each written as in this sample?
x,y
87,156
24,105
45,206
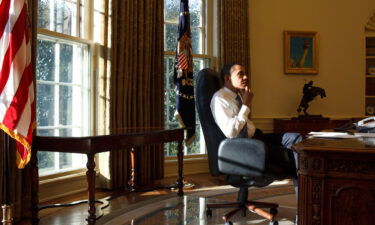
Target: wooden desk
x,y
90,145
336,181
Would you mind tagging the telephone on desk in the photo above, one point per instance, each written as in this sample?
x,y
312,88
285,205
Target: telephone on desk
x,y
366,125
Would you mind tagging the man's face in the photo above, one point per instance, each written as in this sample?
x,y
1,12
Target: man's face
x,y
238,79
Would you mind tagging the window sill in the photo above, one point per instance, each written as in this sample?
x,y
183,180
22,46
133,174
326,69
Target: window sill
x,y
62,175
58,185
72,182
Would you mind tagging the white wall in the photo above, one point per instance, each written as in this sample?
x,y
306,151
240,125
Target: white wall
x,y
340,24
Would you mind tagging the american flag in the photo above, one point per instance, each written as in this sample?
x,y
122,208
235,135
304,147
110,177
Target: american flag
x,y
17,105
182,61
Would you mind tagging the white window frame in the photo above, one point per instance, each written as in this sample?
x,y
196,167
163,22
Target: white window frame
x,y
74,181
85,92
50,34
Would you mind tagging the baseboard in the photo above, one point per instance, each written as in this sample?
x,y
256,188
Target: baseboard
x,y
61,187
192,165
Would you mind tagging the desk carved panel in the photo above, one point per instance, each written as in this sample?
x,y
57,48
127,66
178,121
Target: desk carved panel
x,y
351,166
336,182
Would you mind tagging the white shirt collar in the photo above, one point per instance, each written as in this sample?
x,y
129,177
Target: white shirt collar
x,y
230,92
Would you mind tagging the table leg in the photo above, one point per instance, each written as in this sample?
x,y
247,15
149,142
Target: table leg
x,y
34,188
180,158
90,175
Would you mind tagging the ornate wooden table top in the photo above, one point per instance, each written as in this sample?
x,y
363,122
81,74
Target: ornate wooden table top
x,y
358,145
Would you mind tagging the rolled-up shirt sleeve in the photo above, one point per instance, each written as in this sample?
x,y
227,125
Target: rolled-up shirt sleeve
x,y
229,121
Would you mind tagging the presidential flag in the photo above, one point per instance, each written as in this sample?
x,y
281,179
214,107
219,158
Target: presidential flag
x,y
183,75
17,105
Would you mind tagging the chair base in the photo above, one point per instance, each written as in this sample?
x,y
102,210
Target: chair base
x,y
252,206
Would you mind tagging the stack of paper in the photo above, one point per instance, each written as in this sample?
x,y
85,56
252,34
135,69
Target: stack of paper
x,y
340,135
332,135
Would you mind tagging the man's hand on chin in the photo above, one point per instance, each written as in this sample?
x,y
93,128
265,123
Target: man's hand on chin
x,y
247,96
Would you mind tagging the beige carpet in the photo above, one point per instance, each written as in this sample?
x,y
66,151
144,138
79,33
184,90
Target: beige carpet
x,y
190,209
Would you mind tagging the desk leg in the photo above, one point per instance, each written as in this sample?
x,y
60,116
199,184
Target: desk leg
x,y
180,157
90,175
34,188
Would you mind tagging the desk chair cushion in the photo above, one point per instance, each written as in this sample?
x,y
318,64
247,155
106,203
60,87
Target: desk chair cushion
x,y
243,161
242,156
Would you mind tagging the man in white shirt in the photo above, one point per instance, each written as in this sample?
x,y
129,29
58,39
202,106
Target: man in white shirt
x,y
230,107
229,114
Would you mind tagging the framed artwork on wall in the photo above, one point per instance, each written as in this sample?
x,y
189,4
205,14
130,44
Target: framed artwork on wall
x,y
301,52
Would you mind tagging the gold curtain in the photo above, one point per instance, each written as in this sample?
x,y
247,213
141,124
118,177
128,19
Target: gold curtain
x,y
234,34
19,179
137,89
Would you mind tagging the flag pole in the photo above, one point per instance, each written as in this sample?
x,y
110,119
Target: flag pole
x,y
7,209
183,79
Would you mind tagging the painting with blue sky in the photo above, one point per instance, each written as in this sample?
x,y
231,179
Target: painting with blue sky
x,y
301,52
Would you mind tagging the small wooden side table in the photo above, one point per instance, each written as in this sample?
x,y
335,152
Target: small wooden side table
x,y
90,145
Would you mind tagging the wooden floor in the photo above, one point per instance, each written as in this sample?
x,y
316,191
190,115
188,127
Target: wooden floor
x,y
54,216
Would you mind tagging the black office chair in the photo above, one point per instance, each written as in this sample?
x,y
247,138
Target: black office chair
x,y
241,160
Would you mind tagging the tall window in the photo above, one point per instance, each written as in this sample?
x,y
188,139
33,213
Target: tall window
x,y
201,59
64,84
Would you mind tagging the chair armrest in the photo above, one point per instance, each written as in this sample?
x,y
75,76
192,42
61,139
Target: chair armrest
x,y
242,156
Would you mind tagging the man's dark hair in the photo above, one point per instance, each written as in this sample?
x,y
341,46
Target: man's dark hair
x,y
226,70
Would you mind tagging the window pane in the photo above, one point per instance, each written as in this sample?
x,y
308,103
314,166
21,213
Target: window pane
x,y
65,17
171,11
194,148
199,64
169,62
65,160
171,38
196,40
45,105
170,93
45,132
66,63
170,42
195,8
60,16
65,105
46,60
46,160
171,101
43,14
70,132
170,149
